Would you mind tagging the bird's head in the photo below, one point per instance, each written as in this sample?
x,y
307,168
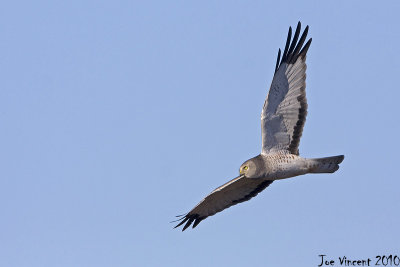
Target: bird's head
x,y
253,168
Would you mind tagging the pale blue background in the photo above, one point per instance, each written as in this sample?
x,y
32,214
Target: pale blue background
x,y
117,115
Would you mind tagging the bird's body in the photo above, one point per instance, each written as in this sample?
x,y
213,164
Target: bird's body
x,y
282,165
282,121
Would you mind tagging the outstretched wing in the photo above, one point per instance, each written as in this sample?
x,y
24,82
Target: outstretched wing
x,y
233,192
285,109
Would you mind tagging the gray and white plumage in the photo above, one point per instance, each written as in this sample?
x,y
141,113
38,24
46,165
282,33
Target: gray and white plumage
x,y
282,121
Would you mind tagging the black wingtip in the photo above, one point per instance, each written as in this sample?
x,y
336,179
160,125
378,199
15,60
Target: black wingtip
x,y
177,220
278,59
288,39
196,222
189,219
303,51
294,47
188,224
182,222
299,44
294,41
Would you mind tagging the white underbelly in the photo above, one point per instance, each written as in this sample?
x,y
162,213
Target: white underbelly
x,y
287,167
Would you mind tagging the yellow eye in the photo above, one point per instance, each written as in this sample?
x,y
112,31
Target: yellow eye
x,y
245,168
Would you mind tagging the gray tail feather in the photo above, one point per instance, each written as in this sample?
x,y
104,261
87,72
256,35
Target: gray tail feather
x,y
325,165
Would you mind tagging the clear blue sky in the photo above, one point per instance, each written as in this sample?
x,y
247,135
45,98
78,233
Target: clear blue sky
x,y
118,115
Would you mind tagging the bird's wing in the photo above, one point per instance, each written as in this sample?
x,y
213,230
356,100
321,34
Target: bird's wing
x,y
233,192
285,109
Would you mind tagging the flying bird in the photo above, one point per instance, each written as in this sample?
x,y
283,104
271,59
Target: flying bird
x,y
282,121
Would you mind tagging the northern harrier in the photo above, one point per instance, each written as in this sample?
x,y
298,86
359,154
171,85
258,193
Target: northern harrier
x,y
282,121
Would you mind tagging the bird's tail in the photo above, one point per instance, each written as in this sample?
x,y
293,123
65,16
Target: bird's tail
x,y
325,165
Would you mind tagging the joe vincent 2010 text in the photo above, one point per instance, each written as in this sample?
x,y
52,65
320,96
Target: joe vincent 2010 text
x,y
344,261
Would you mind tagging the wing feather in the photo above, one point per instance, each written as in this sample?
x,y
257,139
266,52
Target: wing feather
x,y
285,109
233,192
